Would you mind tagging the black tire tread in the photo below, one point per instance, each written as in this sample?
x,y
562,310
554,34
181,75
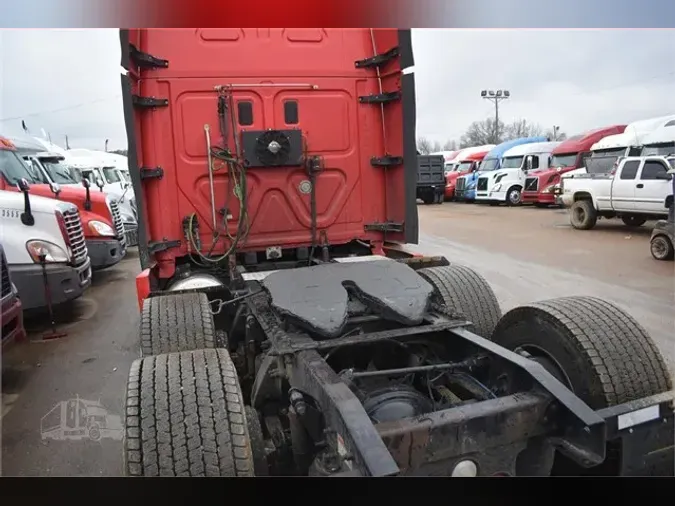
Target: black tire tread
x,y
176,322
184,416
591,213
623,357
466,292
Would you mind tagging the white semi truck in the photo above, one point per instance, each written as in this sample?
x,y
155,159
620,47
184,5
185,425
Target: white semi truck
x,y
43,237
506,184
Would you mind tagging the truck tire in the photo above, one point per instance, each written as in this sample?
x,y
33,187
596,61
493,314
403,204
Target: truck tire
x,y
661,247
185,417
467,294
633,221
514,196
583,215
176,322
605,356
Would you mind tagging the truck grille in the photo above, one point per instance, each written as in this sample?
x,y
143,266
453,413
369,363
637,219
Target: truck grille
x,y
75,236
482,184
6,283
131,234
117,219
461,183
531,184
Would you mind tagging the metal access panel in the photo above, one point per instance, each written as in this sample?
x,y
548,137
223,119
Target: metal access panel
x,y
430,170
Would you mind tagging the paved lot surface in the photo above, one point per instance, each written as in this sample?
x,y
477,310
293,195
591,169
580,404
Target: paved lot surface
x,y
526,254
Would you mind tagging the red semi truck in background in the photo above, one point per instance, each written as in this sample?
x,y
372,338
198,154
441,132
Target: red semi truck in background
x,y
283,326
101,219
569,155
466,165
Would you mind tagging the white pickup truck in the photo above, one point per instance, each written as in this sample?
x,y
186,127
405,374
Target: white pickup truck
x,y
639,190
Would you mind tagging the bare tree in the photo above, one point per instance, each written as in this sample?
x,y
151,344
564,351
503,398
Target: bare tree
x,y
450,145
558,136
424,146
521,128
482,132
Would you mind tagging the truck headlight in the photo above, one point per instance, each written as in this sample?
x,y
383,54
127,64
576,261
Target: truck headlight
x,y
100,228
550,189
497,187
51,252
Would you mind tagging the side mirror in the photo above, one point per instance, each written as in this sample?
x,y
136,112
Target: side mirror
x,y
55,188
99,183
528,163
27,217
87,198
23,185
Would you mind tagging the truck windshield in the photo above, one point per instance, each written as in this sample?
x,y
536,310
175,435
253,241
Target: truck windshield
x,y
667,148
489,164
465,166
567,160
14,169
602,162
512,162
58,171
111,175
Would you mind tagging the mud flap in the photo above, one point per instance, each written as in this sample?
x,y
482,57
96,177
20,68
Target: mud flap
x,y
134,172
644,430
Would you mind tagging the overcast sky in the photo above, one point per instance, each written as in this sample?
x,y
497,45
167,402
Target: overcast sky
x,y
573,78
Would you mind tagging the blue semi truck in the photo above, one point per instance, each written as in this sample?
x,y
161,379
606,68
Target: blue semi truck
x,y
465,188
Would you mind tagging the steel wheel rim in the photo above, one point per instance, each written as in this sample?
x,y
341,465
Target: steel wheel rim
x,y
514,196
659,247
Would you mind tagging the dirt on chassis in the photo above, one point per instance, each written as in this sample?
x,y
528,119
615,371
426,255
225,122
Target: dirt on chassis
x,y
385,367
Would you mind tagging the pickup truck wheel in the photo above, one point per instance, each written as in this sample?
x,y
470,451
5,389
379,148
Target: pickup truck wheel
x,y
514,196
661,248
603,354
176,322
466,294
583,215
633,221
185,417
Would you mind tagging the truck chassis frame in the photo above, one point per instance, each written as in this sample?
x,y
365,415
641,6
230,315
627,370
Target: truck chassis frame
x,y
521,430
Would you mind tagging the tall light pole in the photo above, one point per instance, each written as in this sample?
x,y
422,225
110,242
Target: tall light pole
x,y
496,97
556,128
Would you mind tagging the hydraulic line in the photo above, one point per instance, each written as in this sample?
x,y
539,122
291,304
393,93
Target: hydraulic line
x,y
237,175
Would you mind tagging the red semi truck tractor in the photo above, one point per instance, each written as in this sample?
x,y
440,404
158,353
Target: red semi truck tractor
x,y
284,330
466,165
568,155
101,219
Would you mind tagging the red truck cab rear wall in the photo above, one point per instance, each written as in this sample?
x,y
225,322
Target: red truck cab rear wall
x,y
358,118
577,148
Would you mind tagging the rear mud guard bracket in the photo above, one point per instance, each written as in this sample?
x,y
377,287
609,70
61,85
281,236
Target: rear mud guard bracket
x,y
145,60
386,161
382,98
157,246
383,227
151,173
148,102
378,60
